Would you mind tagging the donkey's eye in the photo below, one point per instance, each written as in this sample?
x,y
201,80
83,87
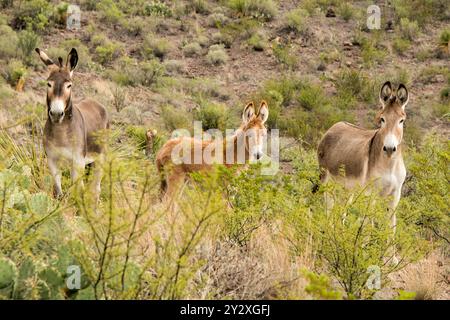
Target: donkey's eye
x,y
69,86
382,120
401,121
49,84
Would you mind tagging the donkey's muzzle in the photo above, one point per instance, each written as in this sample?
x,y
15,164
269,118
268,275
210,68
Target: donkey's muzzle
x,y
56,115
389,150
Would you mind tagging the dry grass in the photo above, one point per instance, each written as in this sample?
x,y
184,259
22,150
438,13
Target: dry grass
x,y
428,278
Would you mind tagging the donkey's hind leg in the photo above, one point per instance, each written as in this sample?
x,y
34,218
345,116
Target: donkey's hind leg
x,y
324,178
98,174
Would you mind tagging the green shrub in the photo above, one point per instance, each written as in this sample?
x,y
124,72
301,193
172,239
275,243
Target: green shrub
x,y
346,11
32,13
401,45
357,84
60,13
14,72
198,6
284,56
221,38
444,37
421,11
108,52
28,41
9,40
129,72
212,116
297,20
175,119
258,9
157,8
109,11
216,55
134,26
155,47
217,20
312,97
258,41
409,29
426,166
192,49
174,67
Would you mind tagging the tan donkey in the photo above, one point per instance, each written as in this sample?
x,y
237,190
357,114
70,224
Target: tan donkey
x,y
246,144
369,155
71,130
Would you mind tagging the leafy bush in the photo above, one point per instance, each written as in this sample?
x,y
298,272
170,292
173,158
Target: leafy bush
x,y
421,11
130,72
297,20
32,13
15,73
175,119
109,11
192,49
284,56
212,116
356,84
401,45
426,166
198,6
217,20
108,52
258,9
444,37
311,97
409,29
60,13
346,11
156,47
28,41
157,8
9,40
216,55
258,41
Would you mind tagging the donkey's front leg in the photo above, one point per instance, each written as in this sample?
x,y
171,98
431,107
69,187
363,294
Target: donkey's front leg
x,y
78,166
393,206
52,165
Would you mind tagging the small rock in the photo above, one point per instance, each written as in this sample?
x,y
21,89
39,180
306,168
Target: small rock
x,y
439,78
390,26
348,63
321,67
348,45
330,13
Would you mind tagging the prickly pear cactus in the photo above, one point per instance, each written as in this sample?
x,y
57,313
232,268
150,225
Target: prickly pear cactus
x,y
8,273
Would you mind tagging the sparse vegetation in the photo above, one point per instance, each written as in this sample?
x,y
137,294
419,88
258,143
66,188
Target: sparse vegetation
x,y
156,47
158,66
216,55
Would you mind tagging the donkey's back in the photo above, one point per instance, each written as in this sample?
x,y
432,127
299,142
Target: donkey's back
x,y
345,146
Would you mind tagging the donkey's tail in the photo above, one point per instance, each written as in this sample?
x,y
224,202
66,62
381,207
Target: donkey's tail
x,y
163,185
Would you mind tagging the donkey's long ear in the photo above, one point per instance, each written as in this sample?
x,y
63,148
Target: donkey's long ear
x,y
385,93
263,111
403,95
44,57
249,112
72,60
